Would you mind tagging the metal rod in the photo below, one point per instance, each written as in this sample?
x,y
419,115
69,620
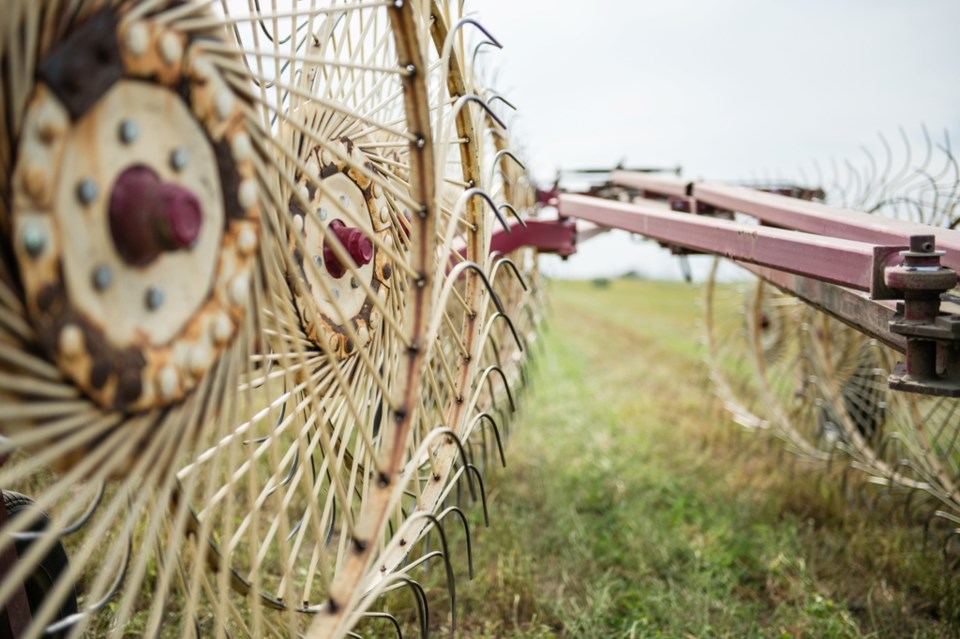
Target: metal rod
x,y
853,264
797,214
868,316
662,184
549,236
825,220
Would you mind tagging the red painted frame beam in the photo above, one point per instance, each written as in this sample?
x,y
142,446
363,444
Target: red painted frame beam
x,y
821,219
856,265
662,184
799,215
547,236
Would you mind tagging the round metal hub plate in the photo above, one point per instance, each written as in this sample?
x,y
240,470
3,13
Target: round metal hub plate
x,y
357,202
134,336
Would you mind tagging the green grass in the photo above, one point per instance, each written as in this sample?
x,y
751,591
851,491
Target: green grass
x,y
633,507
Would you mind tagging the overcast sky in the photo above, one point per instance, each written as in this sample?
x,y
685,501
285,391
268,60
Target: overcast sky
x,y
734,89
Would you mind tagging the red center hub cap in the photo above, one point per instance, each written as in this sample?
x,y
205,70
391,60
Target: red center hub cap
x,y
358,246
148,216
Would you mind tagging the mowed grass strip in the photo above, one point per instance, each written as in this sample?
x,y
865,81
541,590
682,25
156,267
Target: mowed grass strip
x,y
633,507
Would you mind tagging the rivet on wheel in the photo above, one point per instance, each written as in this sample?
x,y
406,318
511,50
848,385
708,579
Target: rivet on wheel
x,y
336,293
179,158
34,239
154,298
128,131
221,328
345,201
354,283
71,341
318,261
242,147
171,49
87,191
323,214
246,241
137,39
239,291
247,194
200,356
102,277
303,194
224,103
168,382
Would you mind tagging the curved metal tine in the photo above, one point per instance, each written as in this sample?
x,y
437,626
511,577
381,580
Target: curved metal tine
x,y
513,330
286,480
909,512
296,526
496,96
423,608
474,191
520,220
462,22
280,418
483,493
476,50
463,452
952,536
473,266
473,97
451,578
542,321
503,152
385,615
884,176
215,559
466,529
266,32
506,384
61,625
333,528
870,179
524,379
69,529
496,434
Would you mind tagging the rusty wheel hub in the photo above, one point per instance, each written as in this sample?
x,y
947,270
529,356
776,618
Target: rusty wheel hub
x,y
135,212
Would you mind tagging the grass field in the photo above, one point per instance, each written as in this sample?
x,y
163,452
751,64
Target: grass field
x,y
632,507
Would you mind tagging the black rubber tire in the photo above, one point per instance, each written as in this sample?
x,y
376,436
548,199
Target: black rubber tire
x,y
55,562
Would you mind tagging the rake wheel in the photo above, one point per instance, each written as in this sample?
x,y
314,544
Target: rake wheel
x,y
841,407
255,441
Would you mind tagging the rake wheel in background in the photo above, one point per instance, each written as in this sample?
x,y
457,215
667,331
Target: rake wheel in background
x,y
840,407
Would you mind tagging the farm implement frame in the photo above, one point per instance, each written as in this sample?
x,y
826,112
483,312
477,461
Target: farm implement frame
x,y
887,278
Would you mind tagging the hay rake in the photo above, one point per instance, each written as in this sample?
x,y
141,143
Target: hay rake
x,y
268,287
840,336
254,337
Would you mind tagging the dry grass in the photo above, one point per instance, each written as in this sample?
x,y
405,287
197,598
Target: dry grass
x,y
633,507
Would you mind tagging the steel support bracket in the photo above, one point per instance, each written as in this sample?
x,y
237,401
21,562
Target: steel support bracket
x,y
932,365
